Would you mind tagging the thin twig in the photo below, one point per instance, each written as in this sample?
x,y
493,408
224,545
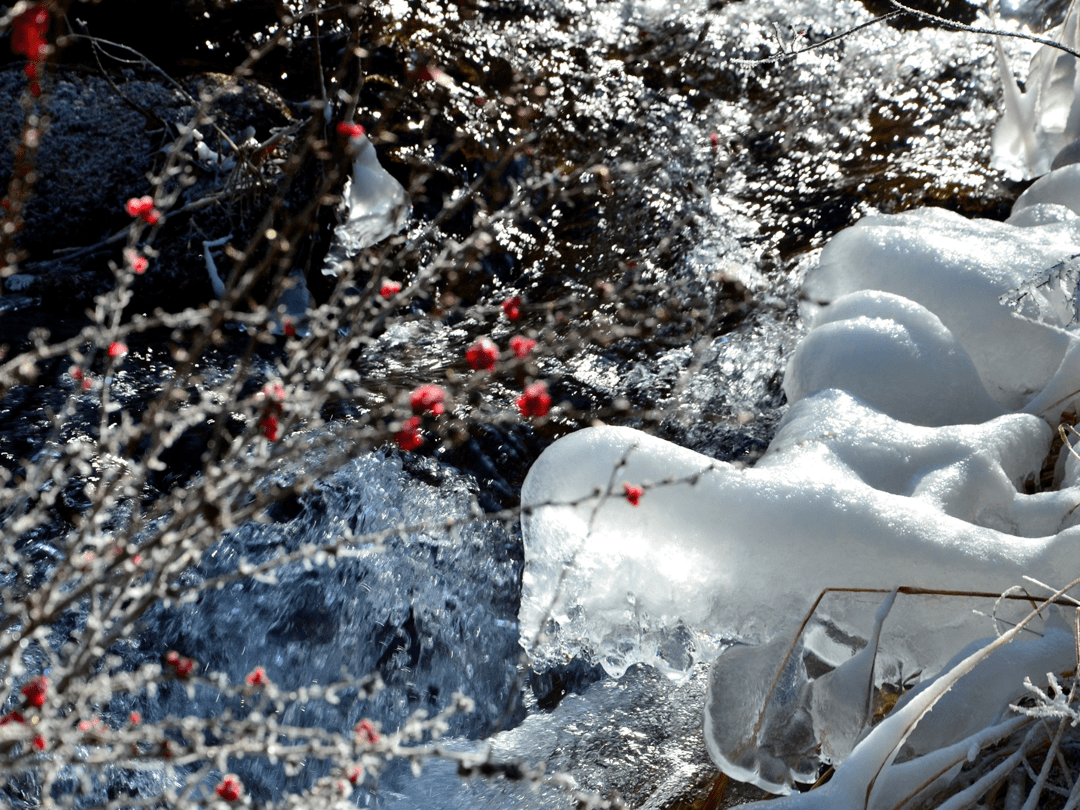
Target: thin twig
x,y
900,8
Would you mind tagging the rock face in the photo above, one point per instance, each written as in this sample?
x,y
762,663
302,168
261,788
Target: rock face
x,y
95,152
100,144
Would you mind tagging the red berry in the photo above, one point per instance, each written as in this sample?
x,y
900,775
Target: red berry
x,y
350,130
428,399
28,32
633,493
36,691
389,289
136,205
270,427
143,207
365,729
12,717
39,742
535,401
230,788
511,307
273,394
521,346
137,263
483,354
272,397
257,677
409,437
430,73
181,665
117,349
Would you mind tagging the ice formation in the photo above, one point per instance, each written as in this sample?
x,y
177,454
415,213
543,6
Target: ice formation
x,y
922,408
938,727
377,207
1041,122
292,305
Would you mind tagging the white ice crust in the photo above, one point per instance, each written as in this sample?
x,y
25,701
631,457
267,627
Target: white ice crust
x,y
922,410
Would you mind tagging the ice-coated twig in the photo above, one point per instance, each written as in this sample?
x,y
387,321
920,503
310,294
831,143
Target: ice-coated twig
x,y
1055,742
900,9
969,797
211,266
975,29
1065,276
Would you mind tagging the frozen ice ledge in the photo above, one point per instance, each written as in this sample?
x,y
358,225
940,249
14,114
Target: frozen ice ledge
x,y
941,358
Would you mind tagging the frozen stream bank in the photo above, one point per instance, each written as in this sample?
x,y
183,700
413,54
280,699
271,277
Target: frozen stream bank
x,y
916,453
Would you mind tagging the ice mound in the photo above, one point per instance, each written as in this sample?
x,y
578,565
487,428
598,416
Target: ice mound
x,y
1061,186
855,501
923,401
888,351
959,269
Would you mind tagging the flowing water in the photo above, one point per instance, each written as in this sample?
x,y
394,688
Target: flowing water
x,y
718,181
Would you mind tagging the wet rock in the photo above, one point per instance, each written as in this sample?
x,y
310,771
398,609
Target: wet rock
x,y
100,143
96,151
961,11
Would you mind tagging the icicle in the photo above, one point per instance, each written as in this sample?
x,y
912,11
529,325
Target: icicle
x,y
842,701
211,266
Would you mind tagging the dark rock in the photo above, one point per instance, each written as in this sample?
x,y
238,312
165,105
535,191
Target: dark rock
x,y
960,11
102,143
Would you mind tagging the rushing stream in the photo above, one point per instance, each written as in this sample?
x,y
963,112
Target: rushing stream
x,y
884,121
725,181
